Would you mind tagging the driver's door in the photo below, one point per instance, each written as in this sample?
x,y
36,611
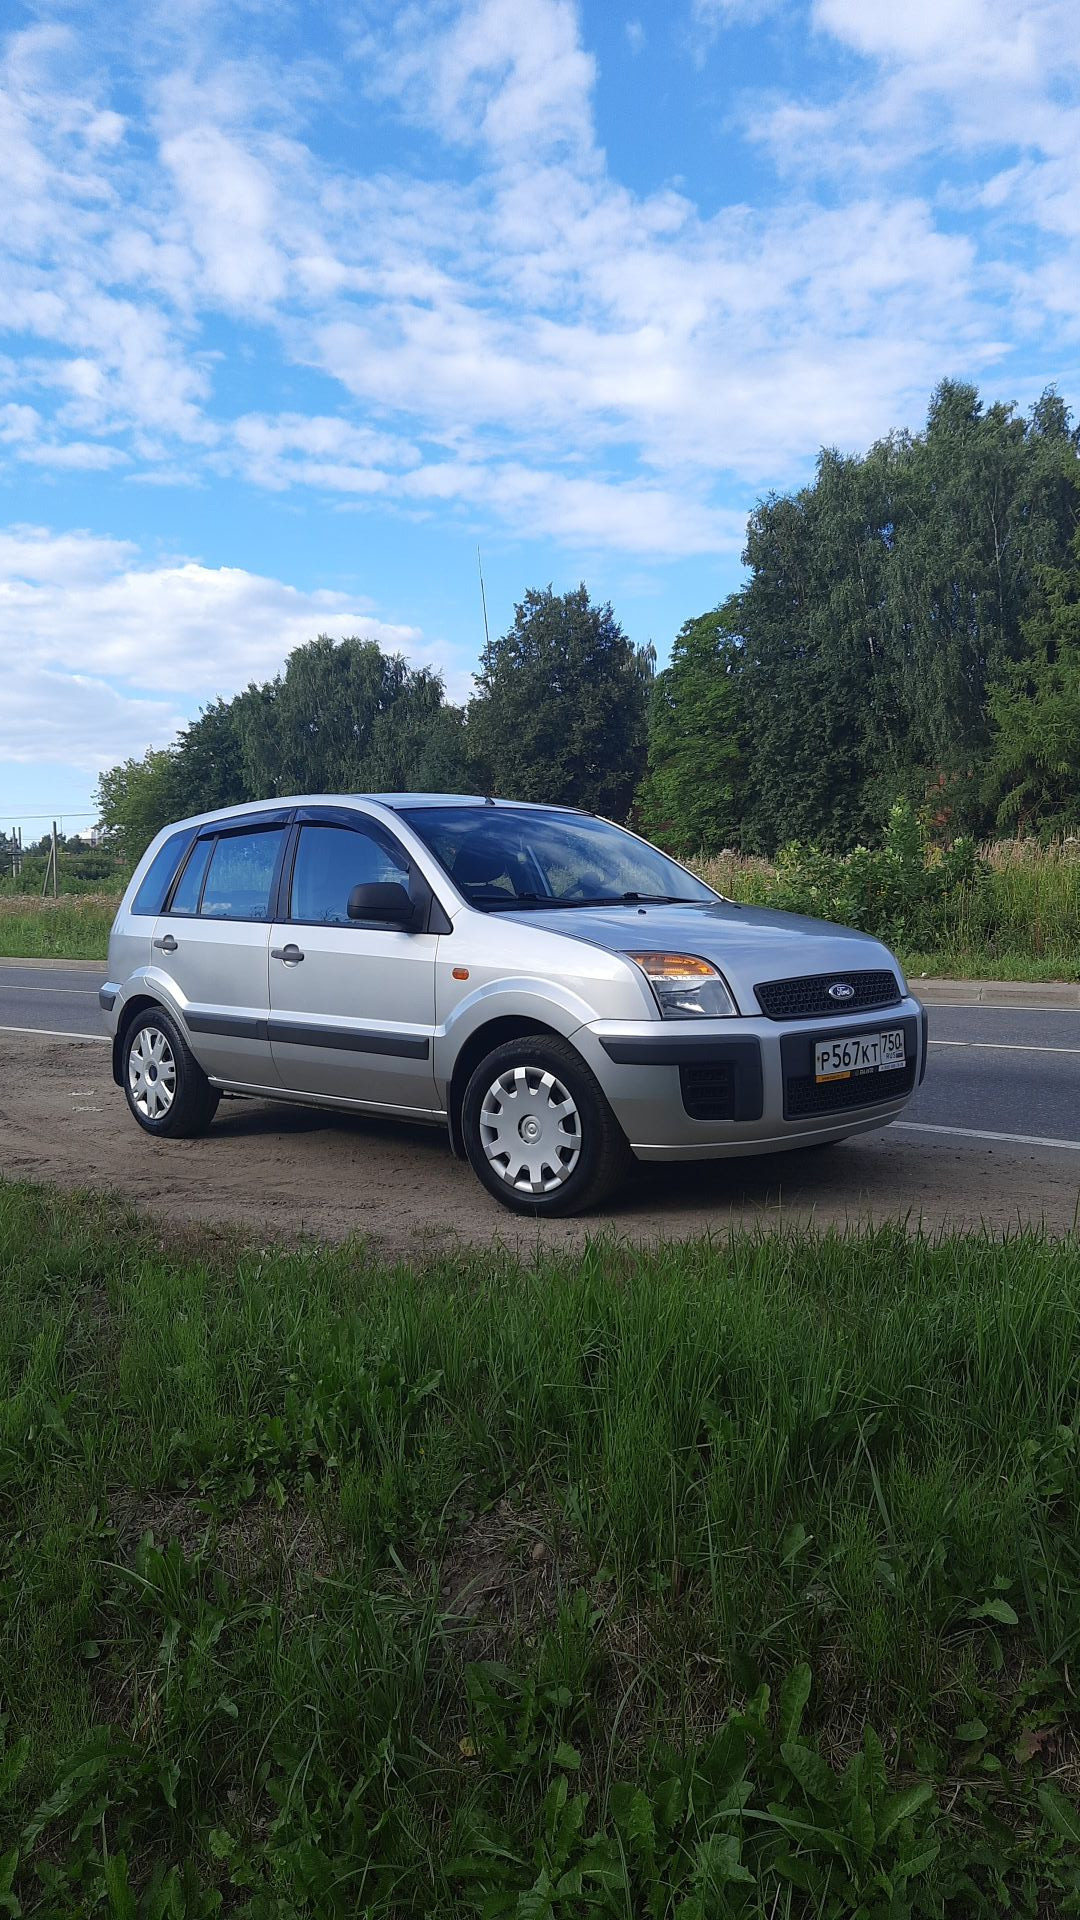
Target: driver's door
x,y
352,1005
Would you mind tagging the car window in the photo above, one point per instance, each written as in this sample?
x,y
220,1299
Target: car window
x,y
520,857
330,862
155,882
241,875
189,886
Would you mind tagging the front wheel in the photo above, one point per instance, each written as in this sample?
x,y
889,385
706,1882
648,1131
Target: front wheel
x,y
167,1091
538,1131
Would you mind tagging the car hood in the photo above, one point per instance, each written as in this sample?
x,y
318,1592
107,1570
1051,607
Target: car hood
x,y
748,944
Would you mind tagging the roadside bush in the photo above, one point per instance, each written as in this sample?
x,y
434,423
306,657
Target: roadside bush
x,y
905,890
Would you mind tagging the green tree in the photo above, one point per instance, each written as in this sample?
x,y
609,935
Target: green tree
x,y
139,797
1033,775
883,602
343,717
560,712
691,796
418,742
210,768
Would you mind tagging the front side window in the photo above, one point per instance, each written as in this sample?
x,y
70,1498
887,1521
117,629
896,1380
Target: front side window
x,y
241,876
520,857
330,862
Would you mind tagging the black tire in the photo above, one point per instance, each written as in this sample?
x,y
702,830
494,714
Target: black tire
x,y
601,1158
192,1101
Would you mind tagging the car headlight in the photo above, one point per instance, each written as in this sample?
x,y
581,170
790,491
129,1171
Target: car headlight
x,y
686,988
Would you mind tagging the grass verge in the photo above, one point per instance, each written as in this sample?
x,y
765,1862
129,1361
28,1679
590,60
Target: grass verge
x,y
74,927
738,1578
1021,922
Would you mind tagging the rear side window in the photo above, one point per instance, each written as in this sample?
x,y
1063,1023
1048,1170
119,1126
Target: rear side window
x,y
189,885
241,876
155,883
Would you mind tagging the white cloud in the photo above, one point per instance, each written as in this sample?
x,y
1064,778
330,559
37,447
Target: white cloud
x,y
963,77
109,652
498,305
511,73
77,720
230,205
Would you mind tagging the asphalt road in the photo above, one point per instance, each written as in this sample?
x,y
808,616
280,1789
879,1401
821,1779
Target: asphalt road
x,y
993,1135
50,996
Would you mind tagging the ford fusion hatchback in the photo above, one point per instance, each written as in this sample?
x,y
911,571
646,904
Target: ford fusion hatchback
x,y
558,994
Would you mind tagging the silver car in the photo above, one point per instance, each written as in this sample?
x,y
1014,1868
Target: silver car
x,y
558,994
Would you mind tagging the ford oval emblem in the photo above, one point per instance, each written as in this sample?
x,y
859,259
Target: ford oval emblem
x,y
841,990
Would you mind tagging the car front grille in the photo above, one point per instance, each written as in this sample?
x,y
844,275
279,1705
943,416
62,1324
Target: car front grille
x,y
803,1095
807,998
708,1090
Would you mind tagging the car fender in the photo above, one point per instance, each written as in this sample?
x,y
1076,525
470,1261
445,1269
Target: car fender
x,y
147,983
548,1002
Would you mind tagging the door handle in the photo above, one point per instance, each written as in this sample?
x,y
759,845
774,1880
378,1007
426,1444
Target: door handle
x,y
168,945
290,954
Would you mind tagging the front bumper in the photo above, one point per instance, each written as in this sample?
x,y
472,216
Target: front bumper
x,y
689,1090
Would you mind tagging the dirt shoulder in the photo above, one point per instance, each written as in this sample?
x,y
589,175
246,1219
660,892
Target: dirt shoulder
x,y
289,1171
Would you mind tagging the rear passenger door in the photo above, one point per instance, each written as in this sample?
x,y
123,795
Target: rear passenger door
x,y
352,1004
211,945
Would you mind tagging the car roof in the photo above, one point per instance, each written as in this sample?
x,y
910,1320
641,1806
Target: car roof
x,y
394,802
400,801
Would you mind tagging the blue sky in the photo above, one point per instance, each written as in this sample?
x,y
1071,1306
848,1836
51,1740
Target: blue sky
x,y
301,303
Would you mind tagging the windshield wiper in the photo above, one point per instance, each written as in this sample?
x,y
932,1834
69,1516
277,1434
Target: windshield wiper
x,y
530,900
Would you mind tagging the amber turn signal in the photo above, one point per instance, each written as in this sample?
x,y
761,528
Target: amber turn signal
x,y
672,966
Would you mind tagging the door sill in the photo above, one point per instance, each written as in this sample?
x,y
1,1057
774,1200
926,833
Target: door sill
x,y
434,1116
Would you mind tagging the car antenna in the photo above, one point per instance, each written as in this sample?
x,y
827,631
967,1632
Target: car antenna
x,y
483,598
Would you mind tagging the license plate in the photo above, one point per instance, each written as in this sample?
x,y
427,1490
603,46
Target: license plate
x,y
859,1053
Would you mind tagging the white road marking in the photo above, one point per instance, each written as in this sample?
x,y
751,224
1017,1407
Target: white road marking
x,y
56,1033
976,1133
1002,1046
90,990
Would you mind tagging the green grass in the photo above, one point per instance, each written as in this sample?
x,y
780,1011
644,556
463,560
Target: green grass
x,y
73,927
739,1578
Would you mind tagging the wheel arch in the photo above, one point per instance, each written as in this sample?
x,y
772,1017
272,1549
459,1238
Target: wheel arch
x,y
139,1003
494,1033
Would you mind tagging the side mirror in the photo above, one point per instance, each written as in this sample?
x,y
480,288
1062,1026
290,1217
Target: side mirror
x,y
385,901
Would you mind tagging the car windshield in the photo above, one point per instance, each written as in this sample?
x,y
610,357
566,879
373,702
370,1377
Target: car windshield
x,y
519,858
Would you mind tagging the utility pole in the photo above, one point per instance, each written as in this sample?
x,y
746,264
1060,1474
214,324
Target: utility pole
x,y
50,867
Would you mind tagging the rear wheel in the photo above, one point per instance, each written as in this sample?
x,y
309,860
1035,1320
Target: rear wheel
x,y
538,1131
166,1089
